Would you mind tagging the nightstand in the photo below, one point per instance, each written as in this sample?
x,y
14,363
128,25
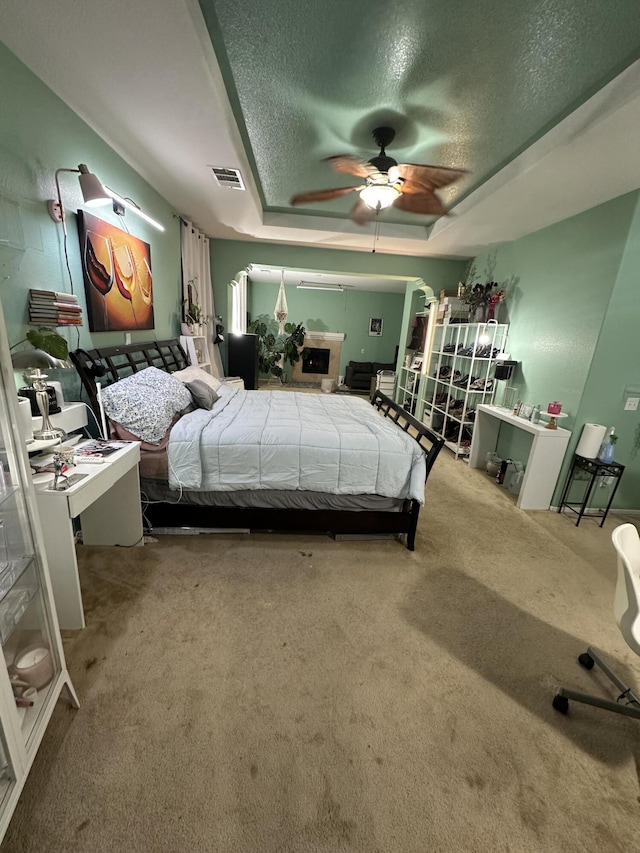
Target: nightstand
x,y
107,502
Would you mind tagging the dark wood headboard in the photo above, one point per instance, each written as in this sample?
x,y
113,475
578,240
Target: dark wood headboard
x,y
123,360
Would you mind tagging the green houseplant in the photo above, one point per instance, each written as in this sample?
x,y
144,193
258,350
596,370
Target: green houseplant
x,y
275,350
48,340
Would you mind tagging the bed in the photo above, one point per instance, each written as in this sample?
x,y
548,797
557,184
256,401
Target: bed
x,y
265,460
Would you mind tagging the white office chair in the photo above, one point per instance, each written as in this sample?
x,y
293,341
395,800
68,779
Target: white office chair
x,y
626,608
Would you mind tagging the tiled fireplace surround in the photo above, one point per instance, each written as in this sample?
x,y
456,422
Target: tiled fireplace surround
x,y
322,340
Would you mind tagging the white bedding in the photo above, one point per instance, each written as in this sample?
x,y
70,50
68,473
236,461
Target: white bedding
x,y
284,440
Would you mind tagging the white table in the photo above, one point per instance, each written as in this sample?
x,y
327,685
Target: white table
x,y
545,458
108,503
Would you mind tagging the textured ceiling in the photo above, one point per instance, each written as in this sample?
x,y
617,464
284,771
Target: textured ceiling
x,y
468,84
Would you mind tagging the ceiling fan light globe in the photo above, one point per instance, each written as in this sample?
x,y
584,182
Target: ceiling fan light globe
x,y
379,196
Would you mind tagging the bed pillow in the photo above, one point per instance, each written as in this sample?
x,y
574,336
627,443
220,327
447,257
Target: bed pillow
x,y
191,374
146,403
203,395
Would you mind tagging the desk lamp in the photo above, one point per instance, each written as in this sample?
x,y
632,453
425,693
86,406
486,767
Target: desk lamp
x,y
33,361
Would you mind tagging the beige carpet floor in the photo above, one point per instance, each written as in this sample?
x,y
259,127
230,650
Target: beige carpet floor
x,y
250,694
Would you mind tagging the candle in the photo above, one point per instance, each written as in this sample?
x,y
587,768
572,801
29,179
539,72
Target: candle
x,y
34,664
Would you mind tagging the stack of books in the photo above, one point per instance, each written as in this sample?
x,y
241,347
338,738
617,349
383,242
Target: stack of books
x,y
50,308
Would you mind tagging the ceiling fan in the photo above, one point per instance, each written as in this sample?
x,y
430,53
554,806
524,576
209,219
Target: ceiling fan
x,y
406,186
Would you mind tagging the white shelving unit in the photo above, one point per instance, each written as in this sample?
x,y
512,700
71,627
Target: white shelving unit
x,y
407,385
32,662
460,377
196,348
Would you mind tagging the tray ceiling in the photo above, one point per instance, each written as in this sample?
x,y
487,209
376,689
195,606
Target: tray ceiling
x,y
517,93
467,85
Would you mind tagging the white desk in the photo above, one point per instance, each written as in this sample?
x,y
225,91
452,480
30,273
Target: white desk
x,y
108,503
545,459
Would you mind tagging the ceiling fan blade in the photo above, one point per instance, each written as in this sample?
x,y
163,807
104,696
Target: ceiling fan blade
x,y
426,203
432,177
323,195
362,213
349,165
412,187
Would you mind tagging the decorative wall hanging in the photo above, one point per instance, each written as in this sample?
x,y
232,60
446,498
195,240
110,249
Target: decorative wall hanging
x,y
117,276
281,311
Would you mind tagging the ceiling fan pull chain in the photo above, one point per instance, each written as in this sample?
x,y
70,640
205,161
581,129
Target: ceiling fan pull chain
x,y
375,233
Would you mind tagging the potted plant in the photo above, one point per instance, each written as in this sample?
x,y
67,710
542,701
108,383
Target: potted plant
x,y
48,340
194,317
275,350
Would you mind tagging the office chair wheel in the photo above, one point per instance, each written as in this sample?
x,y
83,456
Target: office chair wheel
x,y
560,703
586,660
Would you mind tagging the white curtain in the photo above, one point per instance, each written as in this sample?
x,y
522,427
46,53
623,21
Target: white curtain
x,y
196,271
239,304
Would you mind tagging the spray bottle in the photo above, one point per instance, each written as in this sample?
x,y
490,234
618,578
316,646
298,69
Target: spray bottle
x,y
608,446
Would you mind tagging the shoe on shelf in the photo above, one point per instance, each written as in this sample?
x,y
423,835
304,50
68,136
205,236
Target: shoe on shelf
x,y
466,435
465,381
482,385
452,431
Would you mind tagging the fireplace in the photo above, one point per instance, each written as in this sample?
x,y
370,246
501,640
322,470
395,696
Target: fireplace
x,y
316,361
324,348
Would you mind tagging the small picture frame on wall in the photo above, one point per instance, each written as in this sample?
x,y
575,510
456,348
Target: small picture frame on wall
x,y
375,327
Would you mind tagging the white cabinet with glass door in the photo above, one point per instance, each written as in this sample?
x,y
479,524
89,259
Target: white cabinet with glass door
x,y
32,669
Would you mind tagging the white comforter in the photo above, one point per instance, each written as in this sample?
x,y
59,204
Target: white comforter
x,y
283,440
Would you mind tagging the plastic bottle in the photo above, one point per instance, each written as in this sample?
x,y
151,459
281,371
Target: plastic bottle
x,y
535,414
608,446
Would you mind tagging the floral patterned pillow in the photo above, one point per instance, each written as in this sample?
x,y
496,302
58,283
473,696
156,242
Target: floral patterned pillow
x,y
145,403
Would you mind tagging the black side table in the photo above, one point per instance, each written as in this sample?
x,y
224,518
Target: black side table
x,y
595,469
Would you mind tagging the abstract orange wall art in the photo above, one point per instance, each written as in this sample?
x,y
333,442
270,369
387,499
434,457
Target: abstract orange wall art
x,y
117,276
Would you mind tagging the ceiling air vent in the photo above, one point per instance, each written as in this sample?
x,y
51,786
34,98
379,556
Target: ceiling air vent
x,y
229,178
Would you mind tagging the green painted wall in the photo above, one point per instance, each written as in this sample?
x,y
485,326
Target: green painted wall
x,y
228,257
616,366
561,283
38,135
346,312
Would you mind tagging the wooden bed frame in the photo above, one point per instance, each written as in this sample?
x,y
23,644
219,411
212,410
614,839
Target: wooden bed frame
x,y
109,364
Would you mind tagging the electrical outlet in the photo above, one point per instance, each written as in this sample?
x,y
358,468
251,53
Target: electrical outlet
x,y
362,351
631,404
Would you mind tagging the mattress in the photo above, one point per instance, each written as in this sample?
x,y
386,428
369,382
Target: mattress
x,y
154,489
285,441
